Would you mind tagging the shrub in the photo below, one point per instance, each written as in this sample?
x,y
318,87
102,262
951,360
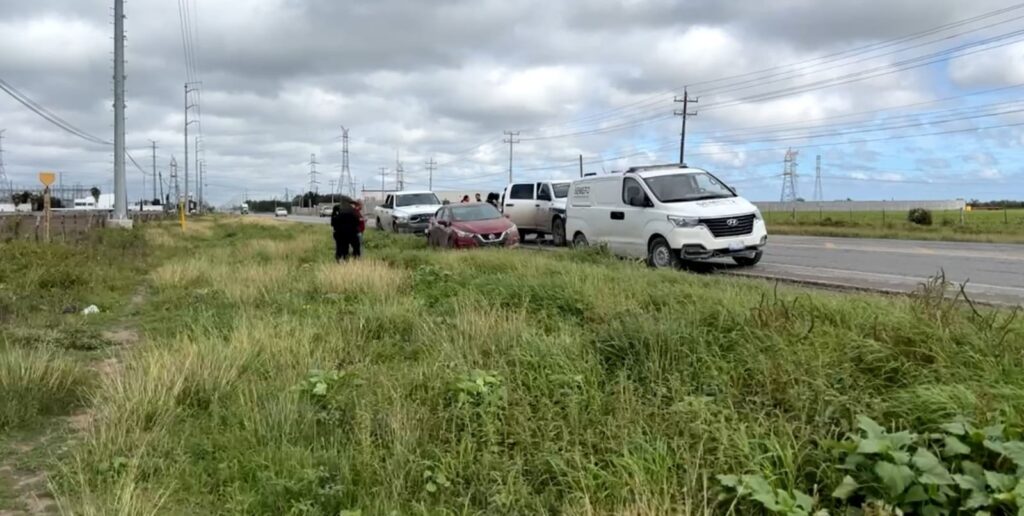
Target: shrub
x,y
920,216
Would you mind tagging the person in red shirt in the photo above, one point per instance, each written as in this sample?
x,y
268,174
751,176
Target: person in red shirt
x,y
362,222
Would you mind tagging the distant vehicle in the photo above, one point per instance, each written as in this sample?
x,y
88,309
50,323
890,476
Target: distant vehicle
x,y
406,211
471,225
325,211
280,212
244,209
537,208
666,214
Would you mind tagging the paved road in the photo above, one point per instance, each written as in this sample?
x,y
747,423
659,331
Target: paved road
x,y
994,272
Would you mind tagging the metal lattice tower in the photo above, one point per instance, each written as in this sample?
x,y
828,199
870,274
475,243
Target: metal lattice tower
x,y
312,175
789,177
345,182
818,195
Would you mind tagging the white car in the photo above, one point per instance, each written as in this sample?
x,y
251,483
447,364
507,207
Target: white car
x,y
280,212
537,208
406,211
666,214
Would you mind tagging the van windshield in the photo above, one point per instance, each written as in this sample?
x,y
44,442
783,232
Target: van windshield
x,y
561,190
688,187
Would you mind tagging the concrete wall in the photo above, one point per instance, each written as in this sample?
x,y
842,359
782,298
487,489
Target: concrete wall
x,y
954,205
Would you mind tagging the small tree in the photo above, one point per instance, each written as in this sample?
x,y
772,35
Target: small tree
x,y
95,193
920,216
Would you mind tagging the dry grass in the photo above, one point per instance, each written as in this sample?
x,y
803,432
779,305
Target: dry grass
x,y
280,249
240,284
360,277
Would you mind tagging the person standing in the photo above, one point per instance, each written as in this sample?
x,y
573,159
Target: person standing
x,y
362,227
345,225
478,199
465,199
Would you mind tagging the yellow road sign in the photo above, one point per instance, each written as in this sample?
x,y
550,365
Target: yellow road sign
x,y
47,178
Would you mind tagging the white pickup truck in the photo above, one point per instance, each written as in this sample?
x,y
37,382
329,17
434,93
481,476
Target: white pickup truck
x,y
537,208
406,211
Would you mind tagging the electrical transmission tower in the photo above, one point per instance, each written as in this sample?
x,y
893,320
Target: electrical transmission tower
x,y
431,166
818,195
345,182
511,140
684,113
789,177
312,178
399,173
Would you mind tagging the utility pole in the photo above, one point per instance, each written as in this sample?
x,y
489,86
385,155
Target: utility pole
x,y
431,165
154,169
4,183
120,188
818,195
684,113
511,140
312,178
383,170
789,177
177,190
199,180
581,165
163,202
332,182
188,89
399,173
345,181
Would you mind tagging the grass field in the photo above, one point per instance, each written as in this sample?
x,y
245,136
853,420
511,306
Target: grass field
x,y
1003,226
268,380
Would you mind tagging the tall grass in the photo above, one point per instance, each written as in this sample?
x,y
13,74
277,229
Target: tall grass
x,y
423,382
37,382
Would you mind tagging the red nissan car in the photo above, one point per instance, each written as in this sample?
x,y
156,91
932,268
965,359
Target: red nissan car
x,y
471,225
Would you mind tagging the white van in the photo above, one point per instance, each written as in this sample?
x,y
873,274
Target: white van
x,y
666,214
537,207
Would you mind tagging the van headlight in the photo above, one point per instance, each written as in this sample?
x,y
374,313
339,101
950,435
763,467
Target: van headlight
x,y
757,215
684,222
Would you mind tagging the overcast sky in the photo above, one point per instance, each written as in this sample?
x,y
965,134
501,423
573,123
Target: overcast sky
x,y
444,78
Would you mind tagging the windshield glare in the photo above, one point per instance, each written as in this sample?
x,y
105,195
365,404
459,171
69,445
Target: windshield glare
x,y
687,187
561,190
414,199
474,212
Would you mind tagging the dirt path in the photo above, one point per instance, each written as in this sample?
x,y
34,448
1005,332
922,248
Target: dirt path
x,y
24,481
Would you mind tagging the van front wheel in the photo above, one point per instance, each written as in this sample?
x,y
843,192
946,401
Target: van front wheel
x,y
747,261
661,256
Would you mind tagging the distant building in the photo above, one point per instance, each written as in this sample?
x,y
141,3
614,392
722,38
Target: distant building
x,y
105,202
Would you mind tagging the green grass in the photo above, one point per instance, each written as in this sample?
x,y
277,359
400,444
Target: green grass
x,y
272,381
995,226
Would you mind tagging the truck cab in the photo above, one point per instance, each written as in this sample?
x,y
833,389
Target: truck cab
x,y
406,211
537,207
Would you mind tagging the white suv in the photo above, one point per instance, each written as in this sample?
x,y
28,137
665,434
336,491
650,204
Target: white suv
x,y
666,214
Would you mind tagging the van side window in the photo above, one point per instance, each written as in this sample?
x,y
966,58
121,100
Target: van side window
x,y
632,192
521,191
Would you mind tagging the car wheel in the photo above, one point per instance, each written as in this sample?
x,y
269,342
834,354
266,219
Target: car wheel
x,y
380,226
558,232
580,240
394,226
661,256
747,261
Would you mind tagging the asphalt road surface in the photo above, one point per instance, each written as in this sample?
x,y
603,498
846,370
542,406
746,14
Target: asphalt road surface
x,y
994,273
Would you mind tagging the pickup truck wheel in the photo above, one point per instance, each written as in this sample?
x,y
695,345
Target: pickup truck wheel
x,y
558,232
394,226
580,240
380,226
748,261
661,256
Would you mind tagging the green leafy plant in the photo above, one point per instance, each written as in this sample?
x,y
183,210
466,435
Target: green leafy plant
x,y
920,216
479,389
775,501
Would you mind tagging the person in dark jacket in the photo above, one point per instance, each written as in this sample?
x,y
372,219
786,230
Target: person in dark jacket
x,y
345,221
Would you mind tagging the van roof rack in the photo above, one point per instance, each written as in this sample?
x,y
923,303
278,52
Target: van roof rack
x,y
642,168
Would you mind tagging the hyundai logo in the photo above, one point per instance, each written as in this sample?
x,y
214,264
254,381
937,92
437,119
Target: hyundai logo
x,y
731,222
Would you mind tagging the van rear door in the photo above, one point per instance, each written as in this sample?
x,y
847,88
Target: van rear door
x,y
520,205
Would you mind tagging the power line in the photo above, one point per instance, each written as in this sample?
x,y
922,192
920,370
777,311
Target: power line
x,y
511,140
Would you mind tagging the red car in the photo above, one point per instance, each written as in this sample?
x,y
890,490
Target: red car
x,y
471,225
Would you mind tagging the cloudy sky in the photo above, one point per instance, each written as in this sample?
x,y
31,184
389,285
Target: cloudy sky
x,y
901,99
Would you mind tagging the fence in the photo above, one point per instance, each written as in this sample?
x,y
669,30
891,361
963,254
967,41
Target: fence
x,y
835,206
64,226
